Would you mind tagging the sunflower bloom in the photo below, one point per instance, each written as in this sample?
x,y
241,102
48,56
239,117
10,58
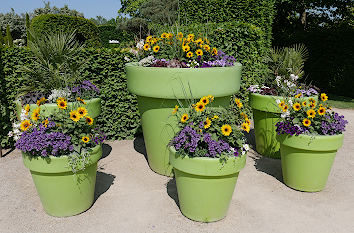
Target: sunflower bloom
x,y
324,97
199,52
190,37
180,35
312,105
61,102
238,103
41,101
82,111
285,108
148,39
226,130
156,48
281,104
164,35
27,109
247,121
146,47
25,125
215,117
297,106
207,123
89,120
298,95
74,115
199,107
175,109
45,123
81,100
306,122
321,111
214,52
189,54
85,139
245,127
186,48
206,48
211,98
304,103
35,114
312,100
184,118
204,100
311,113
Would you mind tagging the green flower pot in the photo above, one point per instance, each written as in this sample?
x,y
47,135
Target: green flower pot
x,y
62,192
158,89
307,160
266,113
204,185
93,106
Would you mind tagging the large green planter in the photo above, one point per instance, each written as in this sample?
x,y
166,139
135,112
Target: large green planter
x,y
93,107
158,89
62,192
307,160
266,113
204,185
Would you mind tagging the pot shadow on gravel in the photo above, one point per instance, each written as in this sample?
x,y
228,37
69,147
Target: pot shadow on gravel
x,y
250,138
172,190
103,182
106,150
139,145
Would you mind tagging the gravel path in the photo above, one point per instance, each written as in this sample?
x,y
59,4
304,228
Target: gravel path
x,y
132,198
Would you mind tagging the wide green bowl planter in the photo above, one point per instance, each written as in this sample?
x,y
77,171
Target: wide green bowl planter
x,y
205,186
62,192
157,91
93,106
266,113
307,160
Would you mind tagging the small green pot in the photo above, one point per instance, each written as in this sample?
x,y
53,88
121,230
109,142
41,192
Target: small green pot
x,y
62,192
204,185
266,113
307,160
159,88
93,107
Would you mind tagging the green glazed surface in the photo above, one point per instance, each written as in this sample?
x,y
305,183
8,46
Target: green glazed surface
x,y
307,160
62,192
204,186
93,107
266,114
159,88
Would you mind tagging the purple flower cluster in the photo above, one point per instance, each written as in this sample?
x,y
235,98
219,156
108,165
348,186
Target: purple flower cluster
x,y
85,86
220,60
43,143
99,137
333,124
307,92
215,147
187,139
288,128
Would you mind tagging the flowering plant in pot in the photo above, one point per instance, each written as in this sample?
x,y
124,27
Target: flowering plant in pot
x,y
166,66
283,81
207,154
310,134
61,150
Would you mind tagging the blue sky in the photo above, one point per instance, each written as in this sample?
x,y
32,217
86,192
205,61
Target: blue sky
x,y
90,8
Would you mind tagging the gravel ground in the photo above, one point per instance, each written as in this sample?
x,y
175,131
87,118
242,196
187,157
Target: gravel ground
x,y
131,198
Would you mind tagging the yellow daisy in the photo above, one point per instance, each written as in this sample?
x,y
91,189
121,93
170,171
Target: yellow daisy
x,y
321,111
285,108
214,52
82,111
156,48
238,103
204,100
146,47
306,122
184,118
186,48
298,95
199,107
247,121
148,39
35,114
207,123
85,139
74,115
215,117
180,35
175,109
189,54
199,52
25,125
41,101
226,130
206,48
304,103
311,113
27,109
246,127
81,100
281,104
62,104
297,106
89,120
324,97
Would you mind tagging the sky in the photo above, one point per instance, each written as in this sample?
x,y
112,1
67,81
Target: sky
x,y
90,8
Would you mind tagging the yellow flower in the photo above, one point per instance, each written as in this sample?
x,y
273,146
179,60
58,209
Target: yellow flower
x,y
311,113
61,102
89,120
189,54
312,100
215,117
281,104
306,122
207,41
312,105
285,108
45,123
169,35
27,109
25,125
190,37
156,48
207,123
246,127
324,97
35,114
199,40
82,111
41,101
180,35
214,52
199,52
204,100
199,107
81,100
175,109
298,95
206,48
164,35
297,106
85,139
186,48
211,98
146,47
74,115
184,118
304,103
153,41
321,111
247,121
226,130
148,39
238,103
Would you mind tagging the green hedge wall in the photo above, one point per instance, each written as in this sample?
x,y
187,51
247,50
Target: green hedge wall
x,y
110,32
86,31
104,67
258,12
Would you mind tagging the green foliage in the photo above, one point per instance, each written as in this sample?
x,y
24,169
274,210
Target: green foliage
x,y
16,23
86,31
110,32
28,24
47,9
130,7
135,25
100,21
9,40
104,67
159,11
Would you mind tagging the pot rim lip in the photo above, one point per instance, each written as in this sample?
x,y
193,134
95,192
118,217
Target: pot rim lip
x,y
311,136
281,97
135,64
18,101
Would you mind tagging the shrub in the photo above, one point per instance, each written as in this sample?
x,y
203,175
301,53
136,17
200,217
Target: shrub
x,y
110,32
86,31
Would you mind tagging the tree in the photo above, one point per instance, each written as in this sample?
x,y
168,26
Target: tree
x,y
16,23
130,7
28,28
159,11
47,9
9,39
99,20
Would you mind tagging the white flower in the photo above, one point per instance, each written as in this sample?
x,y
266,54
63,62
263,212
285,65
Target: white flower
x,y
278,101
126,58
10,134
294,77
246,147
133,51
278,80
290,102
56,93
146,61
232,149
285,114
140,44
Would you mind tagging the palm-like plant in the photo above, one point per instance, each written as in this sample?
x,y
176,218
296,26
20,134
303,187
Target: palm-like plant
x,y
55,62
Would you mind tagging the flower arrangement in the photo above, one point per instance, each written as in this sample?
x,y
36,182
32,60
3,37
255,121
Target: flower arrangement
x,y
210,132
309,117
69,131
180,51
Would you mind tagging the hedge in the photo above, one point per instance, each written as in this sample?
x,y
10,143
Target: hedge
x,y
105,67
110,32
258,12
86,31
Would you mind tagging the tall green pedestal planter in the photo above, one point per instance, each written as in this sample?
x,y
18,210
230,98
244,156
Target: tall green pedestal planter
x,y
159,88
266,113
307,160
62,192
93,106
204,185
